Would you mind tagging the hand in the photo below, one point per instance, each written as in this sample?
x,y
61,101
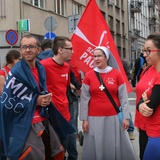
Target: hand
x,y
134,89
72,86
125,124
78,92
145,110
44,100
85,126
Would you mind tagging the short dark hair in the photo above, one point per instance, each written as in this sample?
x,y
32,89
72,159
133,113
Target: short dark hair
x,y
12,55
59,41
46,43
31,36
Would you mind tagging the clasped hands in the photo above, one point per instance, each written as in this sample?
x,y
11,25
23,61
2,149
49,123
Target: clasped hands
x,y
143,108
44,100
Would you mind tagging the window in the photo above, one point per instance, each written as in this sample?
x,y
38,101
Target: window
x,y
123,29
118,39
117,3
60,6
38,3
119,50
124,52
122,5
110,19
117,26
103,14
77,9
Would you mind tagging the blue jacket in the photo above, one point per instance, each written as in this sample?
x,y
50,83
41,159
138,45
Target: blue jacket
x,y
45,54
18,104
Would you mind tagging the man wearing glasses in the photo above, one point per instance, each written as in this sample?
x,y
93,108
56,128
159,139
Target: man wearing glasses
x,y
58,76
26,133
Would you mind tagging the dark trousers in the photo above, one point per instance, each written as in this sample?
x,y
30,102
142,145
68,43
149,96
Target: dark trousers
x,y
143,139
71,145
2,157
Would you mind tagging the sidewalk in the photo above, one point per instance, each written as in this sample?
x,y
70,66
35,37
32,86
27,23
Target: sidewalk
x,y
135,142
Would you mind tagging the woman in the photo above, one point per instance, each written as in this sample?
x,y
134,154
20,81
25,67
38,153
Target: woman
x,y
12,57
149,86
104,137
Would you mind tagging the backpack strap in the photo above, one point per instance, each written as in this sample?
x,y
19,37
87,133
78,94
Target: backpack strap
x,y
140,66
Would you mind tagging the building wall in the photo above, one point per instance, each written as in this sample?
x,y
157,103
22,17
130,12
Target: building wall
x,y
140,20
9,14
22,9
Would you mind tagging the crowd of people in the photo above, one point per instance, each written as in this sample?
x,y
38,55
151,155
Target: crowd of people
x,y
38,81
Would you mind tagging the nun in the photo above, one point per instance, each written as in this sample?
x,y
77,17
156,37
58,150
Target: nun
x,y
105,138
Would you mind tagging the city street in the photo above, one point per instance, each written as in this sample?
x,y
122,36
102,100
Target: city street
x,y
86,34
132,98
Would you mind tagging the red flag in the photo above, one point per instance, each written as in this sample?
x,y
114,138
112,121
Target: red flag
x,y
92,31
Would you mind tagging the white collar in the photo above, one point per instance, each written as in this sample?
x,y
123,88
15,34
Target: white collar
x,y
107,69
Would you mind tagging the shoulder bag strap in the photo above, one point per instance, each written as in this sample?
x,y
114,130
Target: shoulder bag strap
x,y
107,92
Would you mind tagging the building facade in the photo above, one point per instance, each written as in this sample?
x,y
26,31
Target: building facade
x,y
60,17
129,28
143,20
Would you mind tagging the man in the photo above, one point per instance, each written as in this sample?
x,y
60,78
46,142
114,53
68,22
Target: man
x,y
126,67
139,66
46,49
72,98
24,98
130,129
77,92
58,76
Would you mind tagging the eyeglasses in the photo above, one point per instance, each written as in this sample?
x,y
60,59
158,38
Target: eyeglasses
x,y
30,47
68,48
98,56
148,51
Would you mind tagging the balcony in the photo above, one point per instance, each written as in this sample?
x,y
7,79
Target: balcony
x,y
153,20
135,6
134,34
151,4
